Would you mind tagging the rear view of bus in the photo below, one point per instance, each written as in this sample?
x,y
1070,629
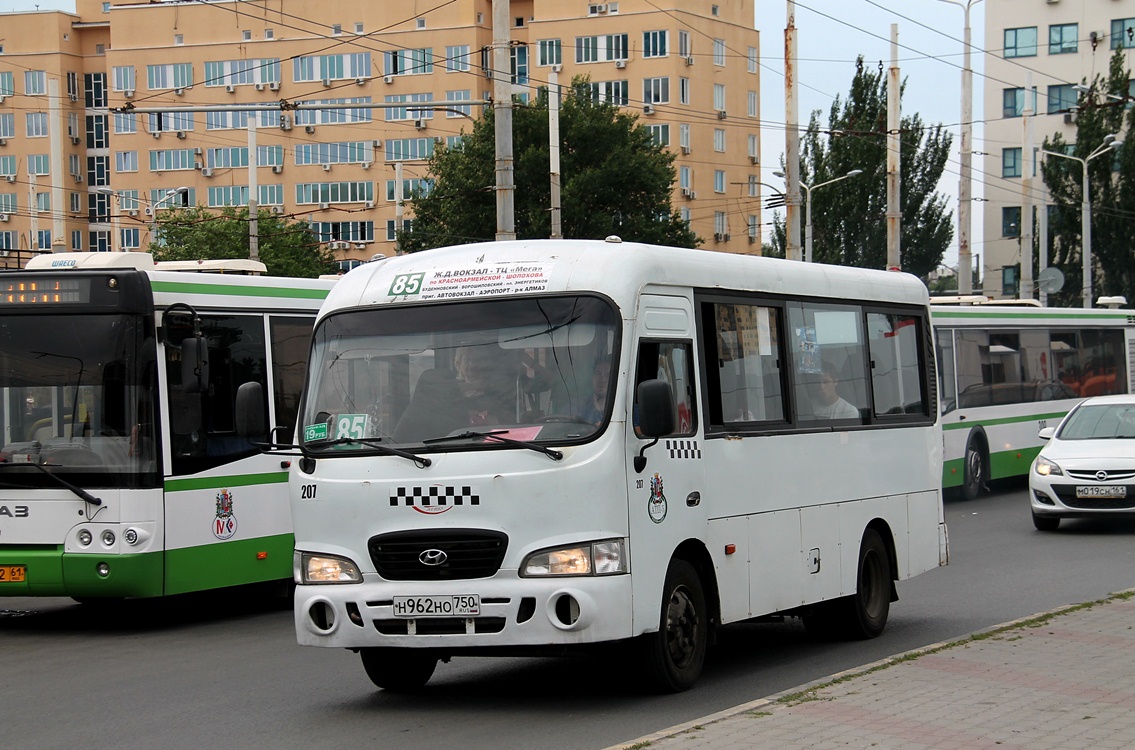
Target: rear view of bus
x,y
548,446
121,473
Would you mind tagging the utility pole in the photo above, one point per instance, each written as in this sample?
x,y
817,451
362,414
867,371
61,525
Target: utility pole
x,y
554,149
502,121
1025,291
894,163
791,141
253,193
55,131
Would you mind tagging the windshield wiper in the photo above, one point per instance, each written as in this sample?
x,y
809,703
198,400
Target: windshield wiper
x,y
83,494
498,435
375,443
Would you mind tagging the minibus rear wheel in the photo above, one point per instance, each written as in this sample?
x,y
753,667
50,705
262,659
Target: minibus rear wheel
x,y
399,670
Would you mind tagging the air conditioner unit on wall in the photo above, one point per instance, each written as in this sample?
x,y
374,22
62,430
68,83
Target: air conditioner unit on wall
x,y
277,168
276,210
388,79
230,88
721,115
648,109
76,140
324,206
420,124
620,64
3,217
206,171
274,86
690,60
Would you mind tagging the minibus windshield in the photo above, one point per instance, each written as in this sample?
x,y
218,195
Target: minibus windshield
x,y
530,369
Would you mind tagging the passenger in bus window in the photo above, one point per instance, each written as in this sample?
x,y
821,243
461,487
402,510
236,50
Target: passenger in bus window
x,y
828,403
596,406
488,384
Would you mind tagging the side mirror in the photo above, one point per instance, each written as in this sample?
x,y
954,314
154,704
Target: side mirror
x,y
194,365
1046,433
251,421
655,408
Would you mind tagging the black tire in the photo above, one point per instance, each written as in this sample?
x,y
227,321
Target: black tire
x,y
399,670
862,615
1046,523
975,470
672,658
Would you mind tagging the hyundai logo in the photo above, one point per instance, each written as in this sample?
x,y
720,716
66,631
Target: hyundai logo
x,y
1101,476
432,557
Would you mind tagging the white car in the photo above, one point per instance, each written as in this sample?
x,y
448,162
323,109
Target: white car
x,y
1087,468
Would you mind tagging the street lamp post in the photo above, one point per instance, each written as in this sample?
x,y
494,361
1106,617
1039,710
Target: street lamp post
x,y
1110,143
808,208
965,181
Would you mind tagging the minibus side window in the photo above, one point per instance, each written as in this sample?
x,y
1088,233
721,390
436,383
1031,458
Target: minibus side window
x,y
672,362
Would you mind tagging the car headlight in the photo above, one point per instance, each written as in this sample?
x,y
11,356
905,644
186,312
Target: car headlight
x,y
1045,468
314,568
603,558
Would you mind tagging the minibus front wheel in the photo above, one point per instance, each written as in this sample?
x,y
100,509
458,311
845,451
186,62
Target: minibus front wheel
x,y
399,670
672,658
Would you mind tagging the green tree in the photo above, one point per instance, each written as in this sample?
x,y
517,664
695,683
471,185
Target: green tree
x,y
1105,109
286,248
614,179
849,222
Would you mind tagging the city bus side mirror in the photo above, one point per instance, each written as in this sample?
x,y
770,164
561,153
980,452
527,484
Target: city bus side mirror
x,y
194,365
655,415
251,422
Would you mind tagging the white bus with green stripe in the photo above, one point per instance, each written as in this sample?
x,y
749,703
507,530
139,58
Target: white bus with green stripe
x,y
1005,372
121,472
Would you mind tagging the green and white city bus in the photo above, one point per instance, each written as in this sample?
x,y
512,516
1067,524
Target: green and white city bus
x,y
121,474
1007,371
538,446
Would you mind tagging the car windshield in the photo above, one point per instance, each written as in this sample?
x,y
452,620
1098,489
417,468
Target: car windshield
x,y
532,369
1100,422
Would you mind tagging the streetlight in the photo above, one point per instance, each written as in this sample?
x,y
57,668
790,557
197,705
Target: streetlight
x,y
1110,143
965,280
808,208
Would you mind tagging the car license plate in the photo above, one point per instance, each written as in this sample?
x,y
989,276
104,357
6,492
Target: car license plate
x,y
1102,490
459,605
13,573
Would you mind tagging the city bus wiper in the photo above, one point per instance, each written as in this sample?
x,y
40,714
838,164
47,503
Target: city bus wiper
x,y
498,435
375,443
83,494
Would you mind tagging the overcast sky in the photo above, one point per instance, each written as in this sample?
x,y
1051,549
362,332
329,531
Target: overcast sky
x,y
830,35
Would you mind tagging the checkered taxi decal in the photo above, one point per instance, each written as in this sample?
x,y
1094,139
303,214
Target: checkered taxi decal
x,y
683,448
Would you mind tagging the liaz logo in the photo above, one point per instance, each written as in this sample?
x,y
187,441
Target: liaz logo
x,y
14,511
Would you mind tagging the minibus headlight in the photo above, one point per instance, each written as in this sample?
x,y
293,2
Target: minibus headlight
x,y
597,558
315,568
1045,468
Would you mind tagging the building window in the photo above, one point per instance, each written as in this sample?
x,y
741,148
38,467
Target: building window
x,y
549,52
246,35
36,124
1011,221
7,83
1123,33
719,180
1020,42
1063,38
1061,98
718,51
685,178
126,161
660,134
130,239
656,90
178,40
269,34
752,110
35,82
752,59
684,48
1013,102
654,43
719,139
122,78
407,62
1011,162
719,97
683,90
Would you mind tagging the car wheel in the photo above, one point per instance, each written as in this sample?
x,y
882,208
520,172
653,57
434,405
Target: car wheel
x,y
1046,523
399,670
672,658
975,470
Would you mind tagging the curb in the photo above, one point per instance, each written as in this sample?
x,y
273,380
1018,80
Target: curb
x,y
774,700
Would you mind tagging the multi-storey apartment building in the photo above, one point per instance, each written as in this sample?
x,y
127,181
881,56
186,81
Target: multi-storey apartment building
x,y
1058,44
87,161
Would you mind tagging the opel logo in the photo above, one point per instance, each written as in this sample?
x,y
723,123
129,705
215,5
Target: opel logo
x,y
432,557
1101,476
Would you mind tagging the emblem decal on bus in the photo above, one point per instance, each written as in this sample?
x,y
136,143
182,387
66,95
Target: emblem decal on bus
x,y
224,525
656,506
435,498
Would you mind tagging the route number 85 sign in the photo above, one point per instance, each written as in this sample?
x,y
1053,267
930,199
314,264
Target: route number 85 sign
x,y
406,283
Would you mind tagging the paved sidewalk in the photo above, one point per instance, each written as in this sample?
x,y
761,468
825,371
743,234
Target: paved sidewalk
x,y
1062,679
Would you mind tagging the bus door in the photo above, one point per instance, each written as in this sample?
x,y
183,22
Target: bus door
x,y
666,496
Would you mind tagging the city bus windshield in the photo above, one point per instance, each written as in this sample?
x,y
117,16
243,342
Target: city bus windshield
x,y
532,369
77,400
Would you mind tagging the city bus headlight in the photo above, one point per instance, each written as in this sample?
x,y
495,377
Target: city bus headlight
x,y
1045,468
595,559
314,568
